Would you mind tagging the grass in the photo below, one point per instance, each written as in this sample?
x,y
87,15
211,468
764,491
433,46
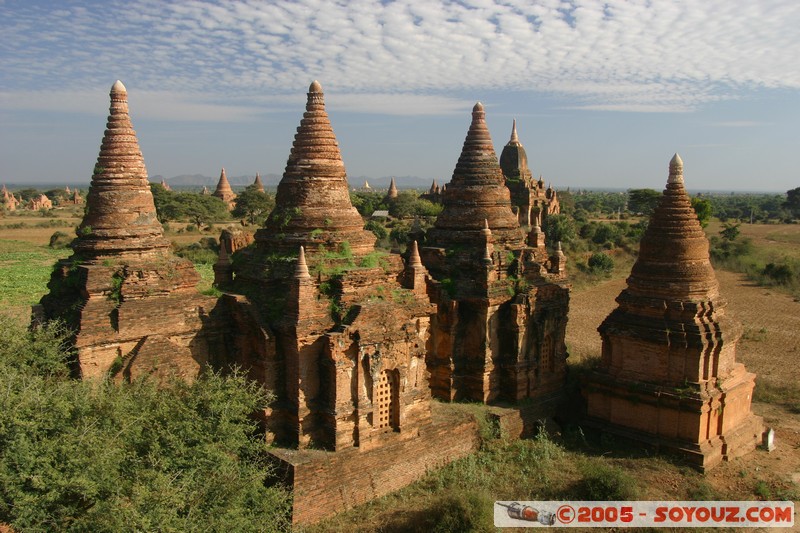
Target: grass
x,y
24,272
25,269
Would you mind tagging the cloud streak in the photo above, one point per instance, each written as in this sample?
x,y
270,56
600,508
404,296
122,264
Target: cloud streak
x,y
217,60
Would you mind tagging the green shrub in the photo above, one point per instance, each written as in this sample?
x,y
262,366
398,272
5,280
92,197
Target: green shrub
x,y
602,482
377,228
600,263
59,240
94,456
459,511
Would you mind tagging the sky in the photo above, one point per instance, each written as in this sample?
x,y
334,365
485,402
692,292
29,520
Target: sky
x,y
603,92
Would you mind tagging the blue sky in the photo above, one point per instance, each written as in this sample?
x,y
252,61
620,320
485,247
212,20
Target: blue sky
x,y
603,92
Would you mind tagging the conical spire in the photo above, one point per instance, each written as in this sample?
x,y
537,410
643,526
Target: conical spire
x,y
476,192
413,259
223,185
514,138
224,191
392,190
257,183
301,270
120,215
673,260
313,193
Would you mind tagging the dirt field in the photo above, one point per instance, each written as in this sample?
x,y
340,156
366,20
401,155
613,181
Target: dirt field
x,y
770,347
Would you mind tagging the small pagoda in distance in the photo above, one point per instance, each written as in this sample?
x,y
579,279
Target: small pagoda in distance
x,y
224,191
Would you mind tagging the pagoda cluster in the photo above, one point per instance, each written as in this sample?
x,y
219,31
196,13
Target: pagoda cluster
x,y
355,341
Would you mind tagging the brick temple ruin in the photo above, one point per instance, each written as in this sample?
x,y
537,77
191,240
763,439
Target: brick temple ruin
x,y
353,341
668,373
531,200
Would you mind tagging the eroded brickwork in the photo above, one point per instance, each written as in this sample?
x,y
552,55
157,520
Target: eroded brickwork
x,y
498,332
132,304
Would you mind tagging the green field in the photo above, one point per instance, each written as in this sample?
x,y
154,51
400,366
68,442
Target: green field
x,y
24,272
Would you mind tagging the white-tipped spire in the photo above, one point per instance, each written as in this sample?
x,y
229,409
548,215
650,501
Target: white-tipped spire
x,y
118,87
675,169
486,231
301,270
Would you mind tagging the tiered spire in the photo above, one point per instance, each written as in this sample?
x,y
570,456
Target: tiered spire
x,y
301,270
120,216
673,258
669,348
392,190
257,183
476,192
514,159
224,191
313,195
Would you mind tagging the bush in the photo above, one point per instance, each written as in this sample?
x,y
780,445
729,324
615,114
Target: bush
x,y
59,240
600,263
602,482
103,457
779,274
377,228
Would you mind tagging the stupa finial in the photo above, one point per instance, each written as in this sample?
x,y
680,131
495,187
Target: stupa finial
x,y
675,169
514,137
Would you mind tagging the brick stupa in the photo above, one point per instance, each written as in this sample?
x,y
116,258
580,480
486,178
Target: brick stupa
x,y
224,191
668,373
313,207
257,185
123,274
476,192
498,333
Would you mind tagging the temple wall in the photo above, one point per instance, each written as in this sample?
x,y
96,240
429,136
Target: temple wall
x,y
325,483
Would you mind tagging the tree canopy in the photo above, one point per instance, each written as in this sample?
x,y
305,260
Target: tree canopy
x,y
199,209
643,201
253,205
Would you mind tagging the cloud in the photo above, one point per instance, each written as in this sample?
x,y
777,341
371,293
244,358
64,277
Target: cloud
x,y
146,104
213,58
741,124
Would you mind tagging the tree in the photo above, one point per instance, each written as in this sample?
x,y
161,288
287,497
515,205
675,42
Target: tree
x,y
253,204
643,201
792,202
559,228
702,208
199,208
729,232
